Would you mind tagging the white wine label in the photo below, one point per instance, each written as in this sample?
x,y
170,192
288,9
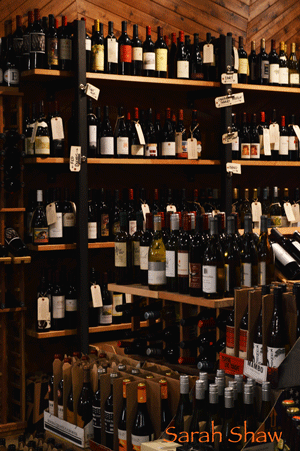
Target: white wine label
x,y
156,273
96,296
140,133
128,298
235,99
92,230
296,212
56,229
258,353
256,211
106,314
296,244
281,254
42,145
136,253
51,407
112,50
69,220
183,263
170,264
122,146
117,300
132,227
243,66
71,305
161,60
236,58
58,307
151,150
149,61
60,412
171,208
183,69
255,151
245,151
262,273
96,416
297,131
88,45
178,142
293,143
137,54
289,212
235,168
92,91
168,149
274,73
208,54
266,142
256,371
283,145
75,158
121,255
192,149
109,422
144,251
122,435
43,309
137,440
275,356
230,138
145,210
294,79
137,150
93,135
283,75
209,279
247,274
229,79
57,128
107,145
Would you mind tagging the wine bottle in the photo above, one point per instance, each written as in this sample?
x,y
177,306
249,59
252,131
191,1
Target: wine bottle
x,y
232,259
229,423
69,219
235,146
200,415
60,397
230,331
122,424
249,413
105,314
71,304
37,43
293,141
157,259
97,48
142,429
42,137
181,143
137,52
168,148
125,51
148,55
58,304
88,48
293,67
158,132
283,141
26,42
172,57
245,139
171,254
261,127
106,139
275,210
145,242
288,245
165,416
123,256
265,402
264,254
276,338
96,407
182,61
52,44
136,239
121,135
17,43
136,148
64,46
39,226
283,66
249,257
243,69
92,124
183,256
263,64
196,65
197,248
161,55
275,146
43,323
274,65
151,150
11,76
14,243
184,407
92,217
109,415
56,130
214,422
254,139
245,208
253,65
85,401
111,51
51,395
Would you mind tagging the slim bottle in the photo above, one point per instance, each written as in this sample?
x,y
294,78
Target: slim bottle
x,y
245,139
64,46
182,61
293,140
85,401
97,48
121,136
232,259
56,130
157,259
40,230
197,248
283,141
166,416
263,64
265,402
200,414
254,139
171,254
105,314
58,305
136,239
142,429
249,258
274,65
69,219
168,148
228,436
42,138
243,62
151,150
26,43
293,67
235,146
276,338
106,139
172,57
125,51
96,408
196,65
261,127
137,52
288,245
161,55
123,253
92,217
52,44
37,43
249,414
253,65
145,242
264,254
283,66
214,421
148,55
111,51
184,407
137,148
43,323
183,256
109,414
122,424
181,144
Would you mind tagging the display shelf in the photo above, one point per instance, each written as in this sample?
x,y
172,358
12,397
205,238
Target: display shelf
x,y
283,230
153,161
45,74
46,160
10,91
140,290
277,89
5,260
66,247
13,310
12,210
267,163
18,260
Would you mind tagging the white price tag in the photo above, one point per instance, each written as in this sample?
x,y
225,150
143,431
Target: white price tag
x,y
296,212
171,208
51,213
140,133
145,210
289,212
229,138
255,371
75,159
235,168
34,129
57,128
274,134
92,91
96,296
192,149
229,79
208,54
178,142
224,101
256,211
128,298
43,313
297,131
236,58
266,143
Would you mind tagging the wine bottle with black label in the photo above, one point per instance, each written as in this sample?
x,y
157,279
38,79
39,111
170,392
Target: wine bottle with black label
x,y
43,323
111,51
58,304
142,429
39,226
96,407
64,46
37,43
122,424
109,414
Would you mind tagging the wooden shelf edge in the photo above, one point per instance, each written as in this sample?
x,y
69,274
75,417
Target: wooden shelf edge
x,y
10,428
19,260
10,91
12,210
153,161
12,310
266,88
5,260
66,247
46,160
35,73
267,163
283,230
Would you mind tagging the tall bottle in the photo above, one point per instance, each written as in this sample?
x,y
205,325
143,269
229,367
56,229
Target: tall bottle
x,y
71,304
200,414
253,65
293,140
196,65
64,46
276,338
56,228
106,139
125,51
245,139
145,243
109,414
261,127
136,240
184,407
121,136
264,254
69,219
56,130
181,144
172,57
166,416
293,67
43,323
182,61
288,245
243,62
232,259
39,226
26,42
137,149
122,424
142,429
197,247
123,257
274,65
151,150
196,133
42,137
257,339
148,55
183,256
249,414
52,44
228,436
92,217
96,407
249,259
254,139
168,148
137,52
283,66
263,64
85,401
214,422
111,51
97,49
58,304
157,258
161,55
171,254
37,43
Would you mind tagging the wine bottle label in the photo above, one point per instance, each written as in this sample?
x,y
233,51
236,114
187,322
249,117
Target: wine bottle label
x,y
183,69
40,235
262,273
283,75
18,46
71,305
57,128
26,44
235,145
106,314
170,264
281,254
60,412
93,136
105,224
144,251
151,150
136,253
122,436
243,66
209,279
52,51
195,275
161,60
275,356
68,220
37,42
65,49
296,244
42,145
122,146
96,411
274,73
108,422
120,255
112,50
149,61
168,149
88,45
125,53
255,151
227,277
56,229
258,353
107,145
246,274
230,340
51,407
117,300
183,263
293,143
137,440
245,151
137,150
29,146
182,151
294,79
137,54
157,273
11,77
58,307
283,145
265,66
243,344
276,221
116,228
97,57
92,230
43,313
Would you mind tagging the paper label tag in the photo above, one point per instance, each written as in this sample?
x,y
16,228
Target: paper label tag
x,y
229,79
235,168
274,134
224,101
296,212
208,53
140,133
266,139
33,135
75,159
171,208
231,364
43,313
236,58
92,91
96,296
256,371
51,214
297,131
128,298
192,149
229,138
256,211
289,212
178,142
57,128
145,210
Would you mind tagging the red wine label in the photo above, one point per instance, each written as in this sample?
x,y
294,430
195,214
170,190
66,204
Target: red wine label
x,y
230,340
40,235
243,344
195,275
122,436
125,53
245,151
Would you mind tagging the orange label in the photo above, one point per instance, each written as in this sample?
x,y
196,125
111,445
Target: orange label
x,y
125,53
141,394
164,391
230,364
229,337
243,340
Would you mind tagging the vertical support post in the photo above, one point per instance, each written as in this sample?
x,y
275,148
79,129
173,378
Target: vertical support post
x,y
82,190
226,154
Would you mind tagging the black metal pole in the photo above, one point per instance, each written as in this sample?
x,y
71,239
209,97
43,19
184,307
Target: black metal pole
x,y
82,189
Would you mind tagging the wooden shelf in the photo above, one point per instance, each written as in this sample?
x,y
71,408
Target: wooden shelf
x,y
140,290
153,161
5,260
66,247
16,309
19,260
12,210
45,74
10,91
46,160
267,163
278,89
283,230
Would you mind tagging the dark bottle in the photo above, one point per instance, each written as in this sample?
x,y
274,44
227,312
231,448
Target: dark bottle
x,y
137,146
172,57
243,335
103,217
209,58
232,259
253,65
275,146
17,43
42,137
245,139
142,429
60,397
288,245
26,43
125,51
235,146
43,323
257,340
275,209
182,61
64,46
96,408
137,52
165,417
168,149
136,239
283,66
254,139
97,48
88,48
52,44
148,55
145,242
296,292
249,416
195,132
157,258
121,136
58,304
56,228
109,414
37,43
151,150
69,219
293,140
264,254
200,415
158,132
111,51
276,338
245,208
273,65
56,130
183,256
115,216
106,139
196,65
85,400
105,315
283,141
39,226
263,64
161,55
249,258
228,437
92,217
265,402
92,123
122,424
184,407
265,154
243,62
29,214
51,395
214,418
14,243
181,147
94,312
285,262
123,253
171,254
71,304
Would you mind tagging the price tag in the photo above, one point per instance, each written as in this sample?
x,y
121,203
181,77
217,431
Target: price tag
x,y
34,129
171,208
255,371
289,212
75,159
192,149
145,210
229,138
266,141
51,213
236,58
224,101
256,211
208,54
57,128
43,313
274,133
96,296
128,298
296,212
178,141
229,79
140,133
235,168
92,91
297,131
